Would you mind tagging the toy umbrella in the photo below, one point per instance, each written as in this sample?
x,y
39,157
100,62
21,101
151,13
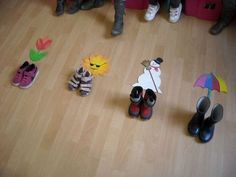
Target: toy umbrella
x,y
211,82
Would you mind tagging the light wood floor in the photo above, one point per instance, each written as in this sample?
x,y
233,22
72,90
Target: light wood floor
x,y
48,131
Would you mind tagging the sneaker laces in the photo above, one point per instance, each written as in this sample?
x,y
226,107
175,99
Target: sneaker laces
x,y
174,11
151,9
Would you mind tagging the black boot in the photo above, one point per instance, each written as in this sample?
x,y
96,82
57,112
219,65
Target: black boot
x,y
60,7
194,125
136,97
89,4
117,28
207,129
74,7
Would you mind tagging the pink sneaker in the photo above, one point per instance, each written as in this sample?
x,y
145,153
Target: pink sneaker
x,y
29,76
19,74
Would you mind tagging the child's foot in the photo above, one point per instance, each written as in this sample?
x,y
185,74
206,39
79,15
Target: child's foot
x,y
59,9
175,13
86,84
19,74
74,83
74,7
29,76
151,12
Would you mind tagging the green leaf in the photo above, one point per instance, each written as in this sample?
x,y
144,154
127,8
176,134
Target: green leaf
x,y
37,56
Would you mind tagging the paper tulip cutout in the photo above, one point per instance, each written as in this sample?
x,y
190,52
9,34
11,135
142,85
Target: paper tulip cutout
x,y
36,56
43,43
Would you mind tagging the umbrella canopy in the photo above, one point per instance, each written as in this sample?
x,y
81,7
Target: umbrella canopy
x,y
211,82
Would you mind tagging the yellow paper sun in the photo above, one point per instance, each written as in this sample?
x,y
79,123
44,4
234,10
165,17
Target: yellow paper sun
x,y
96,64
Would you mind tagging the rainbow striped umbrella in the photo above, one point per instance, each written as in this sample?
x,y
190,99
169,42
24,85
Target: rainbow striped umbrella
x,y
211,82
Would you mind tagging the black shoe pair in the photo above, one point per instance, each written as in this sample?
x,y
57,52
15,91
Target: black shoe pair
x,y
90,4
204,128
73,8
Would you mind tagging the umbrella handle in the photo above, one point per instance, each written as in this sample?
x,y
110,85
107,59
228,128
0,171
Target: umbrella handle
x,y
209,93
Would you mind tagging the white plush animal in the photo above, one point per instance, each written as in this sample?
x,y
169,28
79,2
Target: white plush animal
x,y
150,79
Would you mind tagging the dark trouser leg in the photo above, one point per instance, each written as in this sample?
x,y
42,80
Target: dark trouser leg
x,y
89,4
227,15
60,7
228,11
175,3
153,2
119,7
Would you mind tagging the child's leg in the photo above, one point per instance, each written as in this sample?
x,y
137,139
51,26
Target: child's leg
x,y
119,6
175,3
153,2
227,15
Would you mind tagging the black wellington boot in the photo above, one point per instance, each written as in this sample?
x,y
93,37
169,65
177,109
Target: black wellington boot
x,y
60,7
136,97
117,28
74,7
195,123
208,127
89,4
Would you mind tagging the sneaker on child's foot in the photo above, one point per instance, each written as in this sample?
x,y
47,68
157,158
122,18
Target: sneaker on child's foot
x,y
175,13
29,76
151,12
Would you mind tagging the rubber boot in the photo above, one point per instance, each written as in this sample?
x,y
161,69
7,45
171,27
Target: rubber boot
x,y
60,7
149,101
208,127
87,5
74,7
136,98
117,28
195,124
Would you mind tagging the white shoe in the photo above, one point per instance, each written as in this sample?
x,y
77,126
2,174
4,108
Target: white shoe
x,y
151,12
175,13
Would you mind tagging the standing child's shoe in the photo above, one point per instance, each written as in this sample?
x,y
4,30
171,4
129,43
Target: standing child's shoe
x,y
29,76
136,98
86,83
74,83
19,74
60,7
151,12
175,14
148,102
74,7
